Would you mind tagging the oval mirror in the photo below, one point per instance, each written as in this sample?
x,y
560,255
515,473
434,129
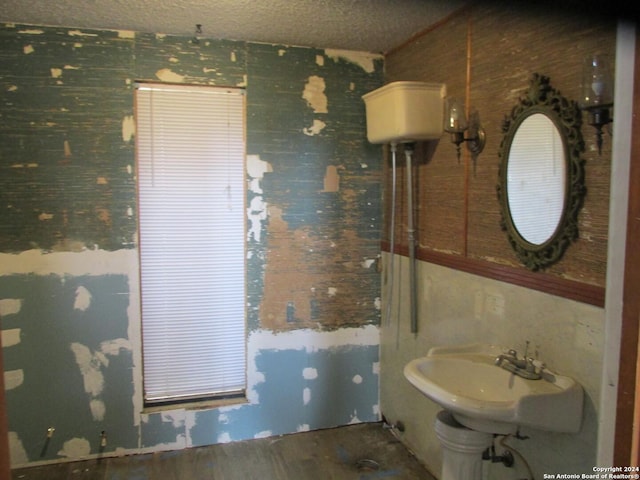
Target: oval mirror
x,y
541,181
536,178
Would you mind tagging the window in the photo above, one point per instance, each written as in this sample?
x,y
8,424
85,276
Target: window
x,y
191,203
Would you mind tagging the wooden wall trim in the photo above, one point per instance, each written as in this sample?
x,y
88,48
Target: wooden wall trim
x,y
570,289
624,436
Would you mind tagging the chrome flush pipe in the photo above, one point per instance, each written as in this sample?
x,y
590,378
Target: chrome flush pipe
x,y
408,153
392,235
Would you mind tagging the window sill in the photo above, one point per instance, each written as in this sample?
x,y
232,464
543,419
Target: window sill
x,y
195,405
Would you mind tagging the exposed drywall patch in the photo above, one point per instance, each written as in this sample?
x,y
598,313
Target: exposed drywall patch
x,y
27,49
75,448
315,129
10,337
128,128
314,94
309,373
166,75
362,59
88,262
257,214
303,428
113,347
332,291
232,57
354,418
17,452
306,396
320,60
331,179
31,31
313,340
224,437
263,434
56,72
126,34
12,88
98,409
83,299
256,168
281,52
90,367
357,379
307,340
10,306
176,418
13,379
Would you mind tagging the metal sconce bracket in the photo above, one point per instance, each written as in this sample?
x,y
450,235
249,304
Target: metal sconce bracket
x,y
475,137
599,117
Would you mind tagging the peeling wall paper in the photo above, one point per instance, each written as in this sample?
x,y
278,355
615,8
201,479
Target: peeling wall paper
x,y
362,59
166,75
312,340
314,94
73,264
315,129
128,128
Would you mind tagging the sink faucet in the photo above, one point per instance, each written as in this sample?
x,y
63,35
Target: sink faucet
x,y
524,367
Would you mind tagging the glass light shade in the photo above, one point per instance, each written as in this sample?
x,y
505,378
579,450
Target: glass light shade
x,y
455,116
597,85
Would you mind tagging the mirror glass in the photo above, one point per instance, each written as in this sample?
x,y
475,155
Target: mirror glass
x,y
541,184
536,178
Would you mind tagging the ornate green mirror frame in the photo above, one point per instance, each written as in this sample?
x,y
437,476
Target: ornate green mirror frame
x,y
541,176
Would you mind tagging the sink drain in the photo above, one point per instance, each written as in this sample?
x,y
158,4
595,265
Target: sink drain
x,y
367,465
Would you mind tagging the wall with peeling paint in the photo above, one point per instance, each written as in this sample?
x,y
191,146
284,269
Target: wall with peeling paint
x,y
69,293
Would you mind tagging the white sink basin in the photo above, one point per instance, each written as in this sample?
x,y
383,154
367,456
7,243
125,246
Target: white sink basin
x,y
485,397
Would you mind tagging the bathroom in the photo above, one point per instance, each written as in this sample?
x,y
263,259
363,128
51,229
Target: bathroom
x,y
319,351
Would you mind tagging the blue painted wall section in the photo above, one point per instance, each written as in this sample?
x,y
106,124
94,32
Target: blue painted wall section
x,y
68,278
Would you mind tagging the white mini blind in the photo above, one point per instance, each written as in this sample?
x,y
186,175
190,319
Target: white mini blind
x,y
191,202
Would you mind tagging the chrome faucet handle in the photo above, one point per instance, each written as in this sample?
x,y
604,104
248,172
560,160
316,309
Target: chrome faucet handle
x,y
530,365
538,365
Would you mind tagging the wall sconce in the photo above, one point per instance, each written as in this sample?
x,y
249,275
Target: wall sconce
x,y
455,123
597,94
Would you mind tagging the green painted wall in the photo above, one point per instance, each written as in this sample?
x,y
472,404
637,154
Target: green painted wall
x,y
69,298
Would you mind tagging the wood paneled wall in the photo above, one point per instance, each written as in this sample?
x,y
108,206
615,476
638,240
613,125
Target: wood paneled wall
x,y
486,54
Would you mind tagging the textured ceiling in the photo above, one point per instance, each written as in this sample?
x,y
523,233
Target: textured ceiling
x,y
365,25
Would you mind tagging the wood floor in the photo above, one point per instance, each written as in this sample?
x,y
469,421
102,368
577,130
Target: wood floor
x,y
356,452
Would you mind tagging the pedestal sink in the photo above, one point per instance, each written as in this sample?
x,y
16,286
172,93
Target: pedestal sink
x,y
488,399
